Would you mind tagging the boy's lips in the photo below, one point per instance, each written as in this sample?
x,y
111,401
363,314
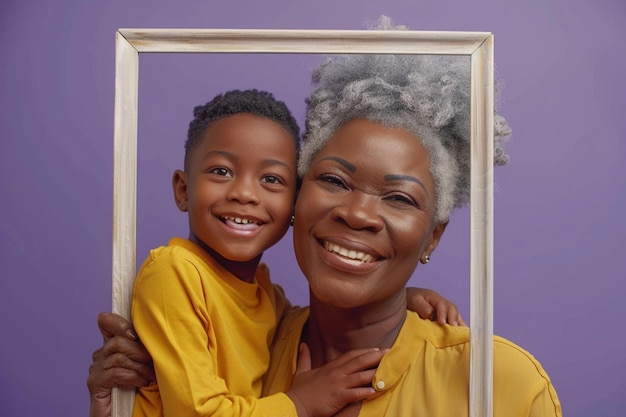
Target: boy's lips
x,y
241,223
240,220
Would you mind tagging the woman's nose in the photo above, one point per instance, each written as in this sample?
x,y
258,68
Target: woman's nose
x,y
360,211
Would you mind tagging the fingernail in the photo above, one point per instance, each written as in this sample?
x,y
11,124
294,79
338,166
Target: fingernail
x,y
131,335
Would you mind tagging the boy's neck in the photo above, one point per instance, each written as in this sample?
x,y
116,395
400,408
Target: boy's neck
x,y
331,332
244,270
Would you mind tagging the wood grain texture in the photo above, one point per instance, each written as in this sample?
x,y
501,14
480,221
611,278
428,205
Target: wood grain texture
x,y
124,194
481,236
477,45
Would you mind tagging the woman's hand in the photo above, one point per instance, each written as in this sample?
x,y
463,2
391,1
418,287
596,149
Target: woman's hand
x,y
431,305
121,362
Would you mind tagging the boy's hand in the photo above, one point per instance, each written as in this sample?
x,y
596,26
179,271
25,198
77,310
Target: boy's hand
x,y
430,305
324,391
121,362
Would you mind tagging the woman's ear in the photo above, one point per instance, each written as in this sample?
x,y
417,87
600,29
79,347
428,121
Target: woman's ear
x,y
434,241
179,186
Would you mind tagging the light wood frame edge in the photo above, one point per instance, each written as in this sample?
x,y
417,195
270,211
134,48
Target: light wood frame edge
x,y
478,45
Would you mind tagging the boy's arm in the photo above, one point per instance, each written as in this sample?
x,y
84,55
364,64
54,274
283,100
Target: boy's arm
x,y
324,391
170,316
431,305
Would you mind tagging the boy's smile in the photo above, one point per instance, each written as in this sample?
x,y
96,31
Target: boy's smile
x,y
239,221
239,187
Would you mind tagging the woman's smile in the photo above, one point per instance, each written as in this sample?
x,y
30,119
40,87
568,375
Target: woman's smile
x,y
348,256
352,254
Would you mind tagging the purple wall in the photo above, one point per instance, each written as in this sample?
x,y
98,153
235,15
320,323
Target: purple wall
x,y
560,204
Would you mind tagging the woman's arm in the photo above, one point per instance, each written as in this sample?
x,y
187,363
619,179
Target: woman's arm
x,y
121,362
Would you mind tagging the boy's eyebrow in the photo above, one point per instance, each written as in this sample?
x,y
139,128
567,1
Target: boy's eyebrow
x,y
232,155
270,162
223,153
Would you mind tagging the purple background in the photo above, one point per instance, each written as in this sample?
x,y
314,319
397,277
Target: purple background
x,y
560,203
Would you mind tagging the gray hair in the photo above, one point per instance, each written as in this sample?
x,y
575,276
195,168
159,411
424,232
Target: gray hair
x,y
425,94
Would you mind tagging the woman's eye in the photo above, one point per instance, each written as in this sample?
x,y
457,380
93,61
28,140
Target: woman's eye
x,y
220,171
333,180
402,199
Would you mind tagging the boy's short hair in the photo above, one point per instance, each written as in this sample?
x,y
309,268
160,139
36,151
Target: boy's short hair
x,y
255,102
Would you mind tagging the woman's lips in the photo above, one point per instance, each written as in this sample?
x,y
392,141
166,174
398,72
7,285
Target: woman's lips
x,y
351,254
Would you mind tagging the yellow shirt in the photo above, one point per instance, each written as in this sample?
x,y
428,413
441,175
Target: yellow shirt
x,y
208,334
426,373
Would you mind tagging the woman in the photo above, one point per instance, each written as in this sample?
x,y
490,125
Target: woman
x,y
385,160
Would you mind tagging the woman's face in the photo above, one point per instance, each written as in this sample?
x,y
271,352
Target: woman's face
x,y
365,215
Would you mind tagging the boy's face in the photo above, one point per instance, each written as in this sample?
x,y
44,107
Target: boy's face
x,y
239,186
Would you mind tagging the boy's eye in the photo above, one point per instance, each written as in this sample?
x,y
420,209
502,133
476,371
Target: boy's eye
x,y
272,179
220,171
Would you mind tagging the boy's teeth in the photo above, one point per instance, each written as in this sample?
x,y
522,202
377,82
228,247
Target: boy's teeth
x,y
346,253
239,220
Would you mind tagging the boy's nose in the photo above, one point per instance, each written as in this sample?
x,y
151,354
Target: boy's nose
x,y
244,191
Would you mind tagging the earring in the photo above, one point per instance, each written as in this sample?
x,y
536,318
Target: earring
x,y
292,219
426,259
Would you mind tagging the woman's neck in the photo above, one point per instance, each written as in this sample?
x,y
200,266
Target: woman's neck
x,y
332,331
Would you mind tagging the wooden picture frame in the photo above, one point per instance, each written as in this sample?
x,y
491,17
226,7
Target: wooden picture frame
x,y
477,45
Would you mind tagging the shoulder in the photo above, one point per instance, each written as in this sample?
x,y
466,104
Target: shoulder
x,y
292,323
179,253
520,380
171,265
176,250
437,335
512,362
262,277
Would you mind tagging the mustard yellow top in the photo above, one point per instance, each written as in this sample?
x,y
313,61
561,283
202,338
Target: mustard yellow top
x,y
208,334
426,373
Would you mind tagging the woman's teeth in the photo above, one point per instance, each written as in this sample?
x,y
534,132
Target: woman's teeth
x,y
348,253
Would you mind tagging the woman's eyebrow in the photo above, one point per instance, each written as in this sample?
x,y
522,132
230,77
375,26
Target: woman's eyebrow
x,y
347,165
406,178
